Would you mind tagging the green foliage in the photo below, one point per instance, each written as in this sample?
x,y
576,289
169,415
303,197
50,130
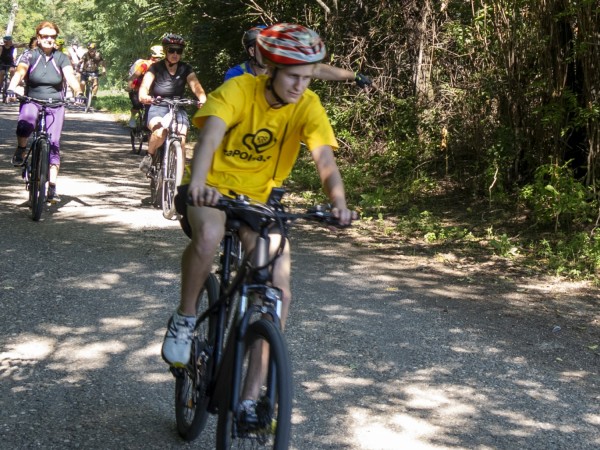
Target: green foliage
x,y
556,198
576,255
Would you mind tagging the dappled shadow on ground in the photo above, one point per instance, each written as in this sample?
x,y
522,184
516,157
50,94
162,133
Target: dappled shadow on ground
x,y
421,354
390,349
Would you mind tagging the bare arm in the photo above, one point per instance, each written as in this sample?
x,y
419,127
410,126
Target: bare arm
x,y
196,87
332,73
210,137
19,74
69,74
331,180
144,93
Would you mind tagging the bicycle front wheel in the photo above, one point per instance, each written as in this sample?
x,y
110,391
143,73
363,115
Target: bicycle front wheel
x,y
39,177
156,178
137,136
191,384
172,174
274,404
88,94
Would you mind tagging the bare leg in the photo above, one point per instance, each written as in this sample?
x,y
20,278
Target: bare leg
x,y
208,228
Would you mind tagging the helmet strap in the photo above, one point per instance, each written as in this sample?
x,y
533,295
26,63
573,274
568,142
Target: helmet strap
x,y
271,88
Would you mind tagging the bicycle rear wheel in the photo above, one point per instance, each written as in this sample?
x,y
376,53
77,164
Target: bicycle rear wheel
x,y
274,404
173,172
191,383
39,177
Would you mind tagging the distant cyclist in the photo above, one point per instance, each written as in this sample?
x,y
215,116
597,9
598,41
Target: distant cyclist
x,y
250,134
91,63
167,79
7,56
45,68
255,66
136,75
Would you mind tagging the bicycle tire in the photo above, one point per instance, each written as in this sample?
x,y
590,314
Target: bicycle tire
x,y
191,384
39,177
137,135
88,95
156,178
172,174
275,422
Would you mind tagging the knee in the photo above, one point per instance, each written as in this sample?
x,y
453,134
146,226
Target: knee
x,y
206,238
24,128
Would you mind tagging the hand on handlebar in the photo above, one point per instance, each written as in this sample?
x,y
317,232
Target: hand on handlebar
x,y
11,96
344,216
202,195
80,100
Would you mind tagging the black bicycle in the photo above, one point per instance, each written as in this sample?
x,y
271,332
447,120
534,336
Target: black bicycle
x,y
36,165
168,161
238,314
90,79
5,81
140,133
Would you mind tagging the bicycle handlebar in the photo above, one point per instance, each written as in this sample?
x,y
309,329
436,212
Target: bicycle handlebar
x,y
258,215
159,101
49,102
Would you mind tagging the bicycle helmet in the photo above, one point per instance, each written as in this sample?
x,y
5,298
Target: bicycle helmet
x,y
173,39
156,51
7,38
249,37
289,44
91,46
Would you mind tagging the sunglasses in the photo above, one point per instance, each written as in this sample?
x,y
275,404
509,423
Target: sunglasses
x,y
47,36
170,51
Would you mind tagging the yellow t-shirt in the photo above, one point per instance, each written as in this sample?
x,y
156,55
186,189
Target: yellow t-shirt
x,y
262,143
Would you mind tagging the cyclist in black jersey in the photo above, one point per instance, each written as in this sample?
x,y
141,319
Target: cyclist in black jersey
x,y
7,56
167,78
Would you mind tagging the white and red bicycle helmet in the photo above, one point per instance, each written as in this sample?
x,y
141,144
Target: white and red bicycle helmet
x,y
289,44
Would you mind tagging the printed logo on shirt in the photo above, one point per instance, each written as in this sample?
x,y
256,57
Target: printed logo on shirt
x,y
256,144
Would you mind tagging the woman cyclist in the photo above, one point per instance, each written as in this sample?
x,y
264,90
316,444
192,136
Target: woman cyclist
x,y
167,79
45,68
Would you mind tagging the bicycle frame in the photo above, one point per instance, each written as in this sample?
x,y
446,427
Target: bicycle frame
x,y
29,170
165,176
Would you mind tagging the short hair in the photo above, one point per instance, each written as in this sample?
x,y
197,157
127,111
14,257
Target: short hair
x,y
47,24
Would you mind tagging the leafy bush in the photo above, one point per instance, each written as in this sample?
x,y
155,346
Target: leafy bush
x,y
557,198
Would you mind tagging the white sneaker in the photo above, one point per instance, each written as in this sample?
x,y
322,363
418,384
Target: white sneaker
x,y
146,163
132,122
177,344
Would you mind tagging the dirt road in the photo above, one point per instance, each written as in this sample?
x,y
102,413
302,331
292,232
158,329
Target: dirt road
x,y
390,350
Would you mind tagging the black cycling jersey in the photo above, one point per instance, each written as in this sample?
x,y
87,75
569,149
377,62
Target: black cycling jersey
x,y
7,56
166,85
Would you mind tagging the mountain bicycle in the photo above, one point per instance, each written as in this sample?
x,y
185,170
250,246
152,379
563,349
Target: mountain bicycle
x,y
5,81
36,170
91,78
168,161
140,133
238,311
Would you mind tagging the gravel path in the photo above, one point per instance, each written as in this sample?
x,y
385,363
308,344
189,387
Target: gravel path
x,y
391,350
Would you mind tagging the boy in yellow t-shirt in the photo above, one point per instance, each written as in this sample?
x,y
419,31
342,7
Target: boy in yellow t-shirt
x,y
251,130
